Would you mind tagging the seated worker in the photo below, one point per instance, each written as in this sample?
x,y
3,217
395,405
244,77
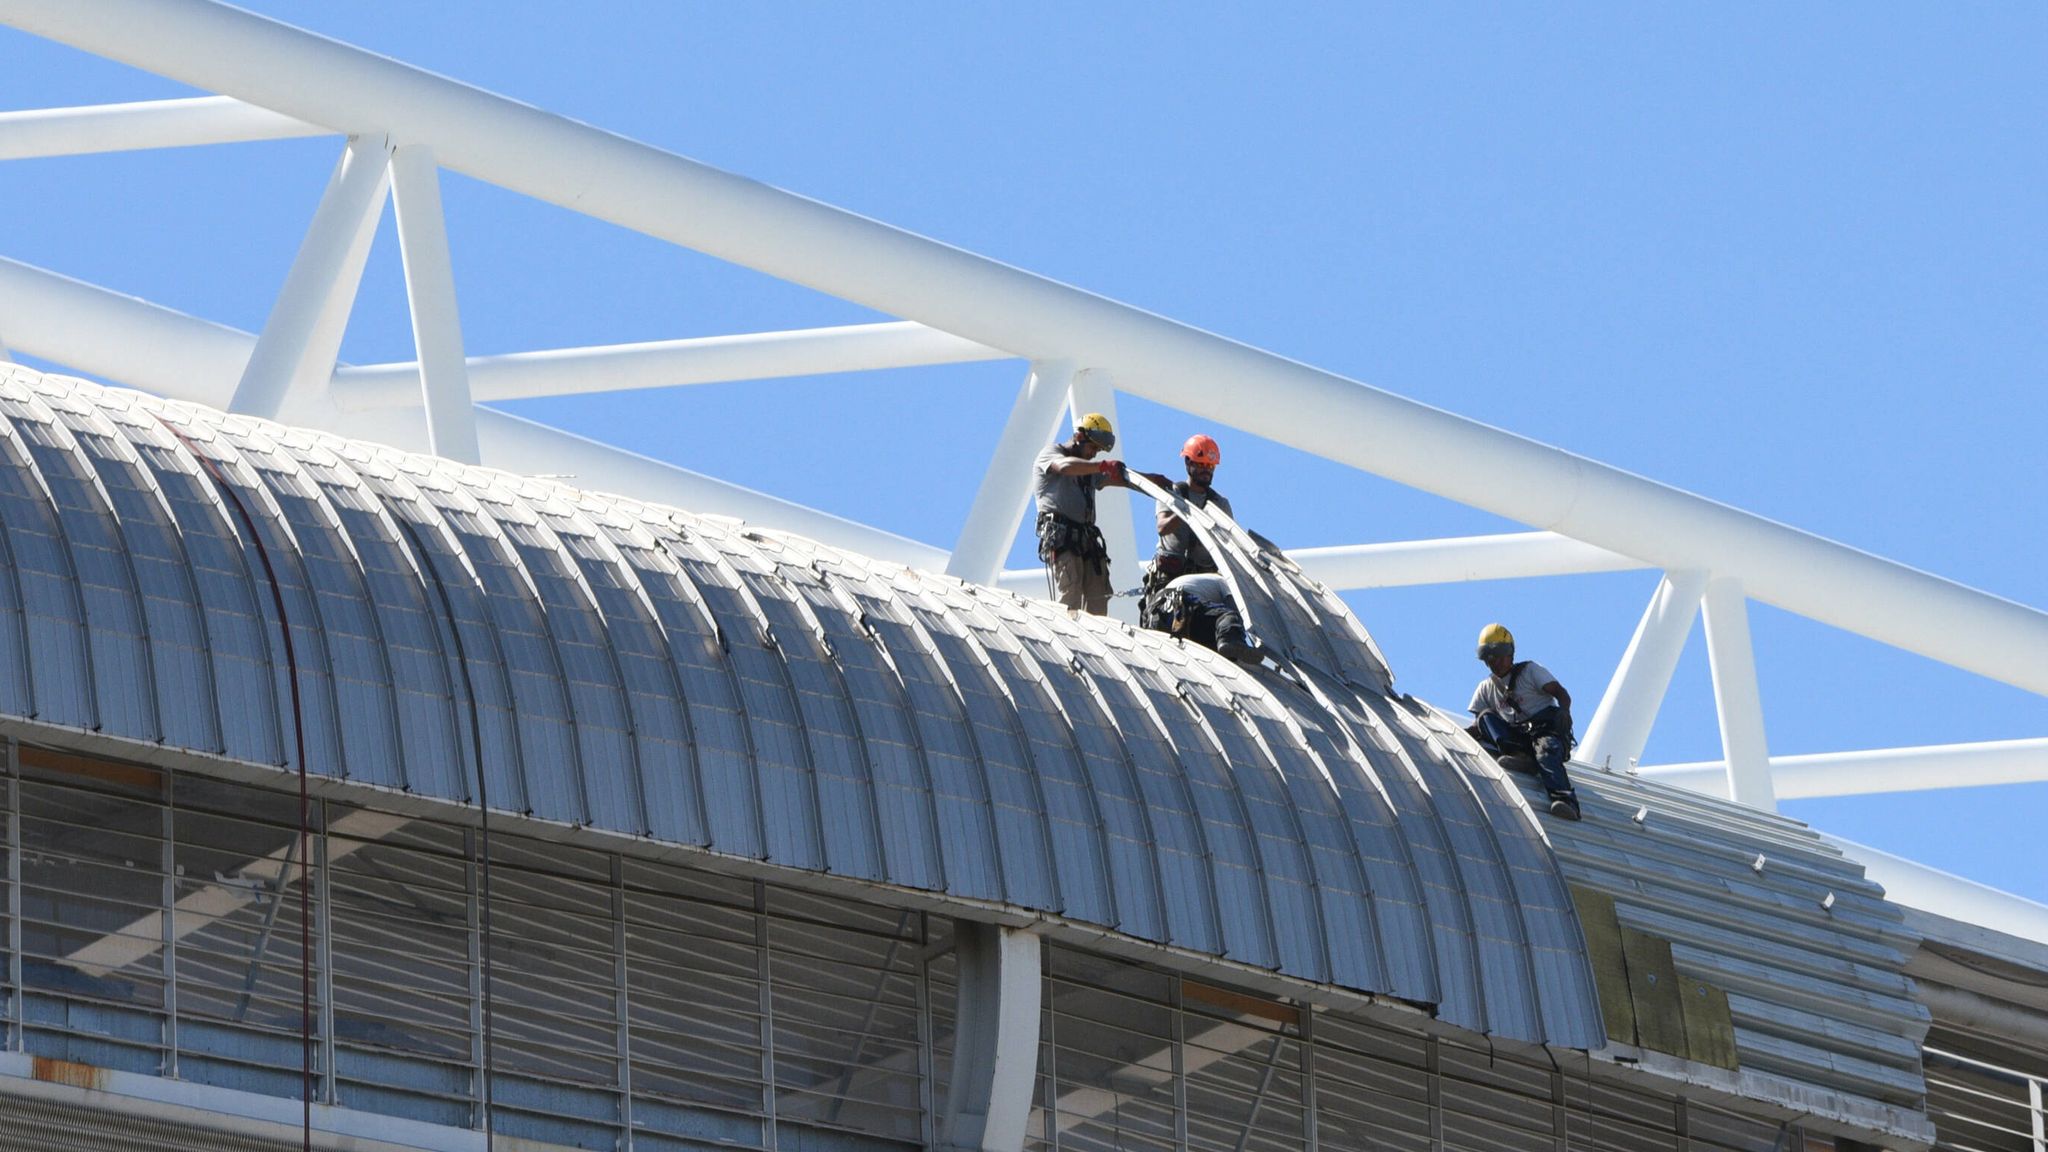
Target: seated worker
x,y
1521,708
1198,607
1180,551
1067,476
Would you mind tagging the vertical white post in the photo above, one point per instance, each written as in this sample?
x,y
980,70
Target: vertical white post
x,y
1092,391
995,1044
1736,697
1621,726
430,288
1006,486
302,338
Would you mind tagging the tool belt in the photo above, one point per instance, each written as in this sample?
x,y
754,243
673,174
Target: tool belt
x,y
1160,571
1057,534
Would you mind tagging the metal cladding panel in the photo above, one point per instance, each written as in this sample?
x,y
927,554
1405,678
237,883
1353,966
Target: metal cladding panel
x,y
58,668
361,681
465,634
173,629
1815,985
235,621
276,572
459,615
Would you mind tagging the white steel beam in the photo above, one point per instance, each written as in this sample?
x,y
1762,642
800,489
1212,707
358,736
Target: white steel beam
x,y
1090,390
1005,490
117,337
147,346
149,124
1876,770
296,353
668,363
636,186
430,290
1737,699
1621,725
1401,563
1931,890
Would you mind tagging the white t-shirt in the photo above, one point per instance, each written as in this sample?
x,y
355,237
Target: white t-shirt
x,y
1525,701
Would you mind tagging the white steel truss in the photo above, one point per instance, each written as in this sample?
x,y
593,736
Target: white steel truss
x,y
403,125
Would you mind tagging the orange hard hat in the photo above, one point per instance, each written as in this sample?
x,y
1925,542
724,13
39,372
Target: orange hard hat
x,y
1201,450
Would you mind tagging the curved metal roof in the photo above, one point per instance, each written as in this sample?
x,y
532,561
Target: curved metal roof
x,y
648,672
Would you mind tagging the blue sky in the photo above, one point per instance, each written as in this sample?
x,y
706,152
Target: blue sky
x,y
1794,258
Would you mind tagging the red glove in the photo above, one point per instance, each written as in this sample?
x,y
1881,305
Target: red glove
x,y
1111,468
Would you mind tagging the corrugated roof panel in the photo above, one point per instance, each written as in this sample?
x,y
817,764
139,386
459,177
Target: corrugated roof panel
x,y
244,680
1015,803
414,642
786,805
1816,988
1074,821
343,613
973,860
1199,777
648,672
898,804
275,571
460,619
1188,890
60,642
179,674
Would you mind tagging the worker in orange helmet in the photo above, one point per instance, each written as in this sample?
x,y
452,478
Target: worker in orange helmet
x,y
1181,552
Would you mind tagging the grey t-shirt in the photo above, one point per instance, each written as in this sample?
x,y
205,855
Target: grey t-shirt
x,y
1182,541
1207,587
1070,496
1527,700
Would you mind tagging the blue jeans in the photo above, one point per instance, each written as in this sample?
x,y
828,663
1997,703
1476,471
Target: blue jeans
x,y
1545,738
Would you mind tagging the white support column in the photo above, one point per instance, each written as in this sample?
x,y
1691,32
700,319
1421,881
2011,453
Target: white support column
x,y
1736,696
995,1047
430,288
1092,391
1006,486
302,338
1621,726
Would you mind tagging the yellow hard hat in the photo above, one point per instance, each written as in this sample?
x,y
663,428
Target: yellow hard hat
x,y
1495,637
1095,426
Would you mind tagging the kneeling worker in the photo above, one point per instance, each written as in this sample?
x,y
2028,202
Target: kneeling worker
x,y
1067,477
1521,708
1199,608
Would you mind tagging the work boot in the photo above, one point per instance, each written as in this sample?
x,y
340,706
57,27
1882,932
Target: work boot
x,y
1564,806
1238,649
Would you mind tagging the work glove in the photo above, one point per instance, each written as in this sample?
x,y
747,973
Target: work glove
x,y
1113,469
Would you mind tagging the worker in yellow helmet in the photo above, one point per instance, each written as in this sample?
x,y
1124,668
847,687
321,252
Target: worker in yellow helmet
x,y
1066,479
1521,709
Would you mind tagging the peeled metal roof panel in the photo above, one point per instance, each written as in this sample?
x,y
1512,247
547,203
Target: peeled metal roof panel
x,y
1817,986
638,670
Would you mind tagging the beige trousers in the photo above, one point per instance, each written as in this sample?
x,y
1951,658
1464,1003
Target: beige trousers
x,y
1083,585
